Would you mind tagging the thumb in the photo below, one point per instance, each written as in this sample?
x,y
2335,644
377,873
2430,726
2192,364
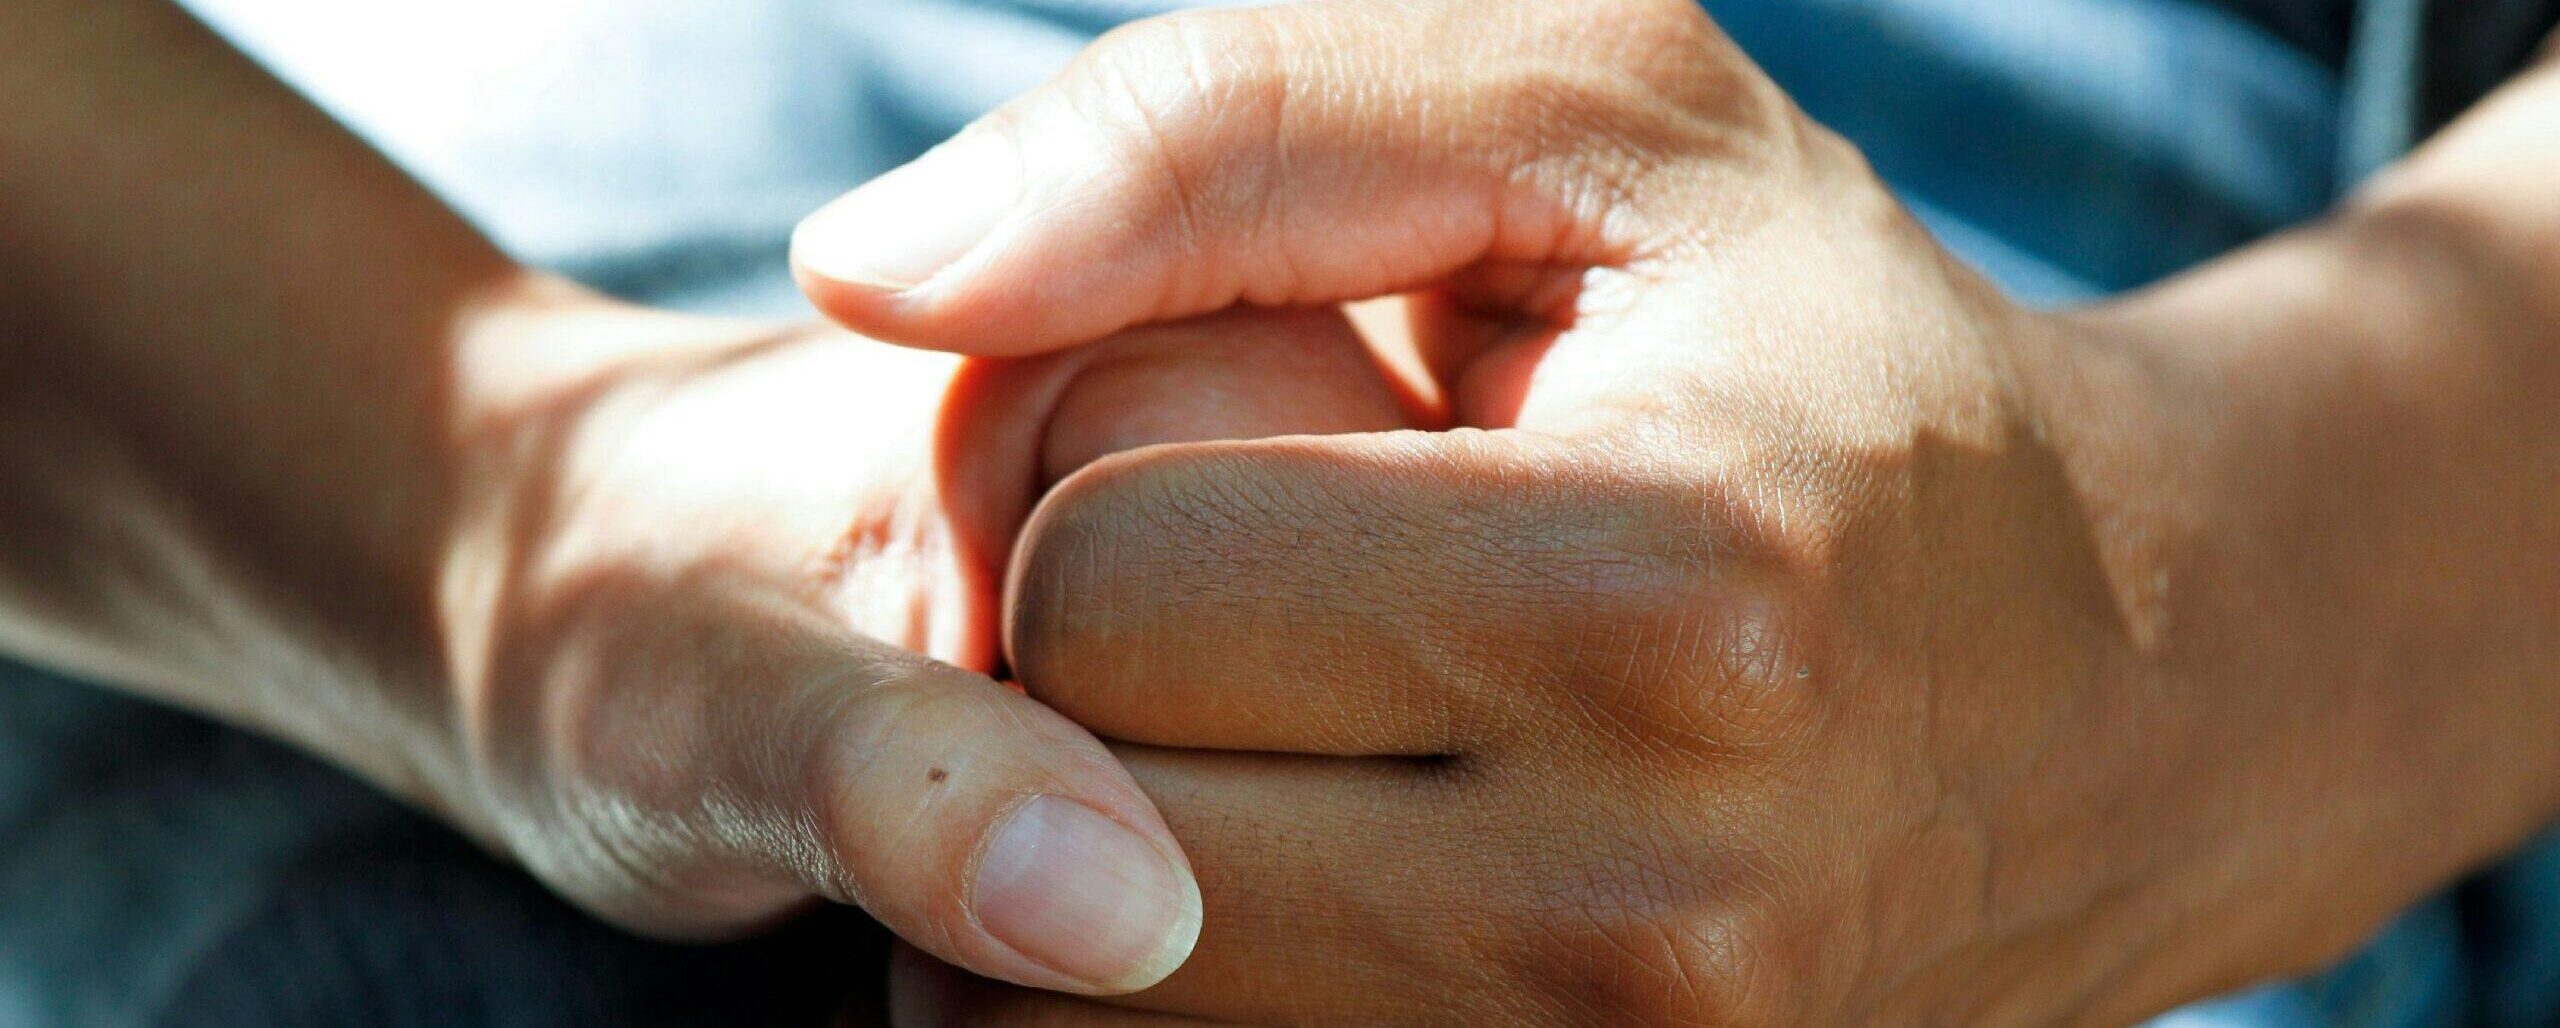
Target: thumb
x,y
973,821
1231,375
1294,155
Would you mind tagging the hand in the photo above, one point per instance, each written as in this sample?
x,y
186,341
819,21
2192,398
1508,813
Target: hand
x,y
631,596
687,623
1800,633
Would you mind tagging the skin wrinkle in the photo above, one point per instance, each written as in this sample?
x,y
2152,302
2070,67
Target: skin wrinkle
x,y
1840,483
1176,195
1274,285
1638,883
1160,129
572,573
1962,509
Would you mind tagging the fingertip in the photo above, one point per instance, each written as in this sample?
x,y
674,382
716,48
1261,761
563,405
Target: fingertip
x,y
904,228
1109,903
937,254
864,307
978,824
1003,311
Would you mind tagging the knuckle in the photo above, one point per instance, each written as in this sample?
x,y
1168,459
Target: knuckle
x,y
650,870
1189,109
1664,55
1726,966
1215,41
1729,679
1673,46
1180,91
1692,641
1639,107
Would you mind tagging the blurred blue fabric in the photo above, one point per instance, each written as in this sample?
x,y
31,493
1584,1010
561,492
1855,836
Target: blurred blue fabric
x,y
156,869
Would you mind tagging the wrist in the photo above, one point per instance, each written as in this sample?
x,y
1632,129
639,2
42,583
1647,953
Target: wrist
x,y
429,458
2346,451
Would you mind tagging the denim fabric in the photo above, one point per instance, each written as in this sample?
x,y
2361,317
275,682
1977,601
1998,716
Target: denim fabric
x,y
157,869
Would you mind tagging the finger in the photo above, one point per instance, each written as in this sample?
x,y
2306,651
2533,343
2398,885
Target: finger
x,y
1326,595
1293,155
1236,375
754,733
1336,894
927,993
1240,375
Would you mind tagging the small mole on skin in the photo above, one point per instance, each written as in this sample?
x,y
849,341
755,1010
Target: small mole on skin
x,y
936,775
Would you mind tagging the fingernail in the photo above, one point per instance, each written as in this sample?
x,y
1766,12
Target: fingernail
x,y
1078,891
901,228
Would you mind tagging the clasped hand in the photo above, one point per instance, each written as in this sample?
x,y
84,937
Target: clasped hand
x,y
1792,630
